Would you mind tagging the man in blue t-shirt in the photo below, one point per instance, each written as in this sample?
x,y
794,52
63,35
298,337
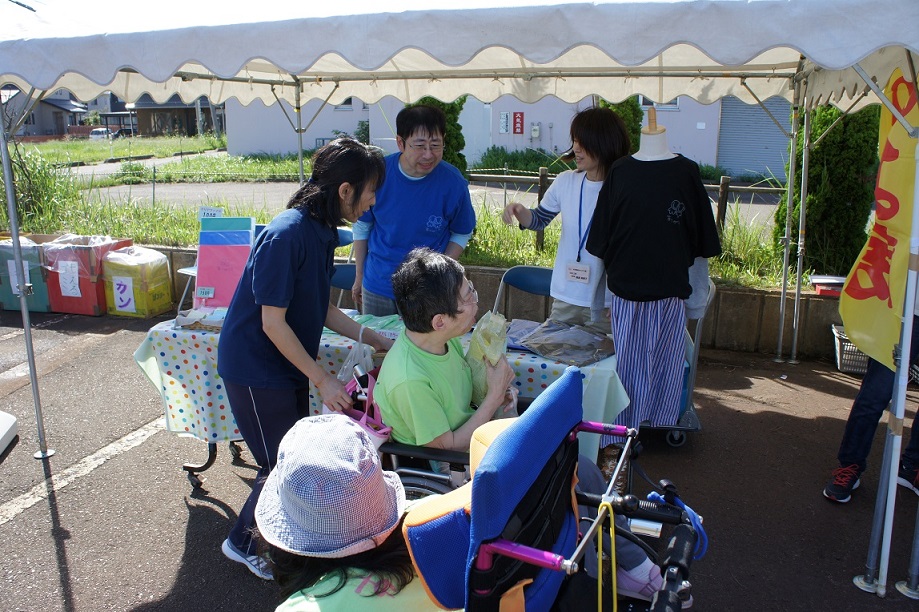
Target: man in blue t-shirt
x,y
423,203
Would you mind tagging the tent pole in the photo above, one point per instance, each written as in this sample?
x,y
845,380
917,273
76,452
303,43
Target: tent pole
x,y
910,588
869,581
299,130
895,422
886,497
786,239
802,217
44,452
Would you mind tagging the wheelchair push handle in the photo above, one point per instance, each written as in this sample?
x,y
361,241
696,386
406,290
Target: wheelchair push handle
x,y
632,507
675,566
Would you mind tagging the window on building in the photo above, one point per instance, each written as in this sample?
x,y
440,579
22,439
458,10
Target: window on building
x,y
30,120
646,102
347,105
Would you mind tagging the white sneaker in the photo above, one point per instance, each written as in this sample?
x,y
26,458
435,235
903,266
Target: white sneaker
x,y
254,563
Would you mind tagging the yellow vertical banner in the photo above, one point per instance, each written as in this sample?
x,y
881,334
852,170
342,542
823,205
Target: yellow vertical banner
x,y
871,304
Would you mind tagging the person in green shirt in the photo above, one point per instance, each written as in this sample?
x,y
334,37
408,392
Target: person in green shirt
x,y
425,385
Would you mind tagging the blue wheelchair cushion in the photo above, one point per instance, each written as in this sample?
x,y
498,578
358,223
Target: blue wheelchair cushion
x,y
436,531
444,532
506,474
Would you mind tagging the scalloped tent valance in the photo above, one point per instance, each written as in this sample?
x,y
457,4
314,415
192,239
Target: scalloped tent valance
x,y
705,49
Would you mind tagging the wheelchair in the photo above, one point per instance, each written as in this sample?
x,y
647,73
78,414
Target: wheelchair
x,y
413,465
513,532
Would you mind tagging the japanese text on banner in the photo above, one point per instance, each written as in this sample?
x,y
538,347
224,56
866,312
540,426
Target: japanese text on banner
x,y
871,304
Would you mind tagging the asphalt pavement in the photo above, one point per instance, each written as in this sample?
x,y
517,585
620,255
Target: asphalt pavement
x,y
110,522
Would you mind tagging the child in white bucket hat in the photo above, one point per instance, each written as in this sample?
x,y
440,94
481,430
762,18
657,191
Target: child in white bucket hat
x,y
329,519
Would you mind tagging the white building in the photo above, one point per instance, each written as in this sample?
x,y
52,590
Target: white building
x,y
740,138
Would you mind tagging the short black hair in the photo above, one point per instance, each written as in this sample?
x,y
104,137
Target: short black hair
x,y
429,119
602,134
344,160
426,284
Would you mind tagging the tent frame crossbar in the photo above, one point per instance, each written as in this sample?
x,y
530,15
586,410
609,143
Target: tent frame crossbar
x,y
307,77
33,101
765,109
912,131
298,127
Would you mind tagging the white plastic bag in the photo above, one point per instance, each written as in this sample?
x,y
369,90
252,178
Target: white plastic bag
x,y
360,354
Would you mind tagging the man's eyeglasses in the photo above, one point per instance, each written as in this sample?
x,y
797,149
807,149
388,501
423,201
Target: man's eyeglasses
x,y
433,147
473,297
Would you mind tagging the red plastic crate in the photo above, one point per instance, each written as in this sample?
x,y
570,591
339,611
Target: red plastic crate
x,y
75,283
830,290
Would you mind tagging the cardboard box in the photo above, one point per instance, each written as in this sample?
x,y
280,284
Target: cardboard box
x,y
36,273
137,282
74,263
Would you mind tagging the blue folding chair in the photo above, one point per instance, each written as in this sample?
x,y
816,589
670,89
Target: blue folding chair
x,y
532,279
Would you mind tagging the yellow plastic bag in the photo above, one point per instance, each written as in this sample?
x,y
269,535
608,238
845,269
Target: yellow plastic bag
x,y
489,340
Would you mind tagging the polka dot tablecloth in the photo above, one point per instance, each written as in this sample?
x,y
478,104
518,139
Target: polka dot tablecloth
x,y
532,373
182,363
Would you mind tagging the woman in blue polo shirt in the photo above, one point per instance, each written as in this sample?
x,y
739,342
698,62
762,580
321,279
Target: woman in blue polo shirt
x,y
270,338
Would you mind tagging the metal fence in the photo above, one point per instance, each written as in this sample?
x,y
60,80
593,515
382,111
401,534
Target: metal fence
x,y
722,191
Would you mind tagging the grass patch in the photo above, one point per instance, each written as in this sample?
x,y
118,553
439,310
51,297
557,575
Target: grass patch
x,y
223,168
173,226
219,168
52,201
495,244
66,152
747,258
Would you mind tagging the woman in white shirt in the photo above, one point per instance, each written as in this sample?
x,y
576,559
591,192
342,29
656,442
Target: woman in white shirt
x,y
599,137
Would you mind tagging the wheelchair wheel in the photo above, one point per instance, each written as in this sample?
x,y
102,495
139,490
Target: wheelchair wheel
x,y
417,487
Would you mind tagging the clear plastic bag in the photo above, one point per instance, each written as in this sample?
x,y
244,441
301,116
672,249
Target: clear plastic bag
x,y
360,354
489,340
569,344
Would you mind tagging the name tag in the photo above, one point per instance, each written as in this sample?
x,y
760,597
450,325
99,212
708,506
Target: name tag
x,y
578,273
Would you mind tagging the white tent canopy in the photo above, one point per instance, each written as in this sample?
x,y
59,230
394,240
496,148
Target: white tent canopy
x,y
705,49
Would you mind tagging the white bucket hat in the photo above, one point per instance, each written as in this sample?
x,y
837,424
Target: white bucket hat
x,y
328,495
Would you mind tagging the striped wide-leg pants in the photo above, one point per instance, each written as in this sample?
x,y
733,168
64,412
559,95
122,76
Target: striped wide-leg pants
x,y
650,345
